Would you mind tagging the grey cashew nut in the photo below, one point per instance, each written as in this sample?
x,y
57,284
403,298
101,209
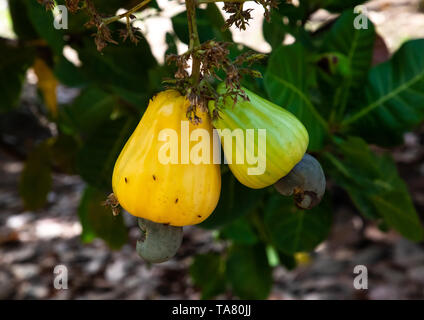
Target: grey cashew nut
x,y
159,242
306,182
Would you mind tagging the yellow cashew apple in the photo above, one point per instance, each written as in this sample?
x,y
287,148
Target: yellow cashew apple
x,y
152,178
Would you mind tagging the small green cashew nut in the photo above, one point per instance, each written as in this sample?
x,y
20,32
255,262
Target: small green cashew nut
x,y
159,242
306,182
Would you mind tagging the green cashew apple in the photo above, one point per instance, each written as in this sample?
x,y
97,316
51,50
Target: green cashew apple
x,y
262,141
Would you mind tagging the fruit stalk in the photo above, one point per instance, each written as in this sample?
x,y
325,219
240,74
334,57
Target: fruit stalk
x,y
194,39
126,14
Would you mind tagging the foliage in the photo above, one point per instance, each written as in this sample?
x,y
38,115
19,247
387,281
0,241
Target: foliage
x,y
325,78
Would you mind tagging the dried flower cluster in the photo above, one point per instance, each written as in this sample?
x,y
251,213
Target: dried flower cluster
x,y
113,203
130,32
240,17
214,57
73,5
103,36
268,5
48,4
210,58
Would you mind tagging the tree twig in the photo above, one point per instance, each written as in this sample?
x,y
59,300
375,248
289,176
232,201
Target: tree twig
x,y
194,39
126,14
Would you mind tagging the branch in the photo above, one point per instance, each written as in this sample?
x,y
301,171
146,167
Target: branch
x,y
126,14
194,39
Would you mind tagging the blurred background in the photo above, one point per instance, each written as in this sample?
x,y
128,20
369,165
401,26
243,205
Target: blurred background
x,y
33,242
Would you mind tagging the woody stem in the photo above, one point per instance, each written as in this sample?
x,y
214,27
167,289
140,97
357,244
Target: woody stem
x,y
194,39
126,14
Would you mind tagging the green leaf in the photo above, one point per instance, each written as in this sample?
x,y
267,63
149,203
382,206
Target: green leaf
x,y
126,66
374,185
36,178
236,201
171,44
22,26
398,211
287,81
89,110
285,20
97,157
156,77
209,25
217,21
248,271
358,174
292,229
208,273
97,220
274,31
138,101
42,20
357,46
14,61
240,231
394,97
68,74
64,150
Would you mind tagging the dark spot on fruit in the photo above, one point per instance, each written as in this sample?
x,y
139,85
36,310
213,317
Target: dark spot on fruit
x,y
154,177
176,200
126,180
199,216
166,223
